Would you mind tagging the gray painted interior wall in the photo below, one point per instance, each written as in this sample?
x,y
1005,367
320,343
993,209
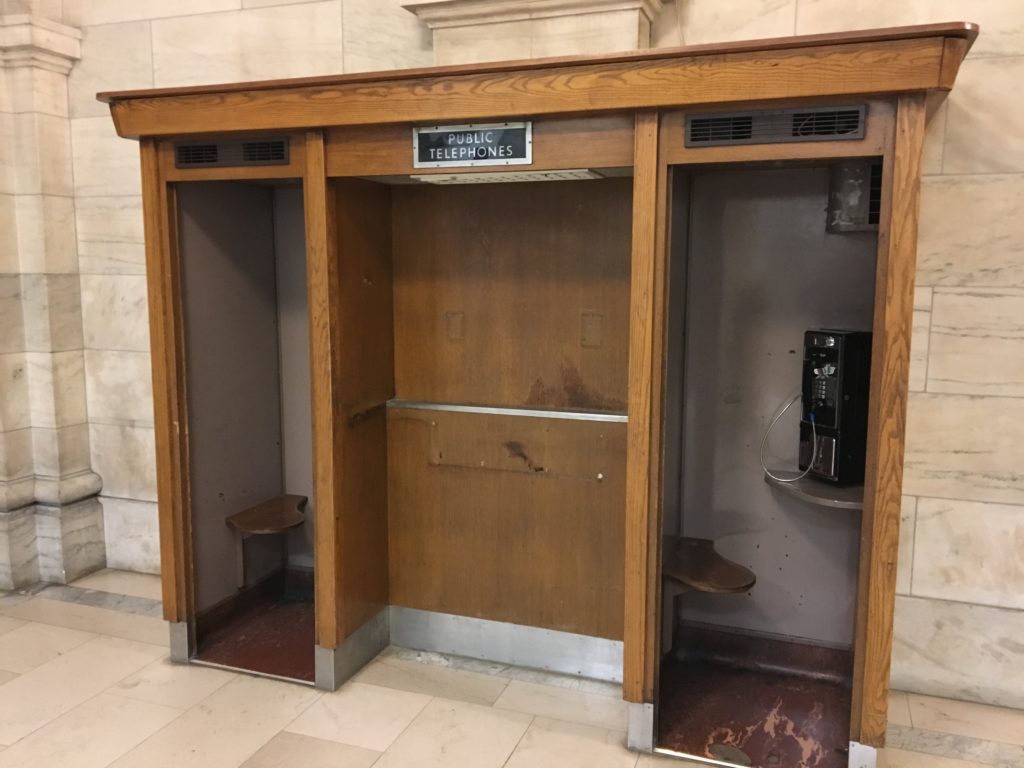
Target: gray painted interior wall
x,y
762,270
293,335
231,353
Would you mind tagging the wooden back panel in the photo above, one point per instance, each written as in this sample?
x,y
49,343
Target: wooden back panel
x,y
508,518
513,294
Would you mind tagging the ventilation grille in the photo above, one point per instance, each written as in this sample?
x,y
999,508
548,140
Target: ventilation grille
x,y
771,126
221,154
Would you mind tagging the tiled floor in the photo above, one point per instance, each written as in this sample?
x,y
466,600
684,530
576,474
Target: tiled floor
x,y
85,683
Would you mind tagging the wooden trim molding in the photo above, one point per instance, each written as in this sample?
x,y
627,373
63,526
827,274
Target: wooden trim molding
x,y
170,404
642,369
788,68
890,367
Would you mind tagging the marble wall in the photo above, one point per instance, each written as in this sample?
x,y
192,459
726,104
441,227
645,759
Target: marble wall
x,y
959,613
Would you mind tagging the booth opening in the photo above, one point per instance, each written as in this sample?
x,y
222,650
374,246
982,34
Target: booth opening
x,y
246,341
770,305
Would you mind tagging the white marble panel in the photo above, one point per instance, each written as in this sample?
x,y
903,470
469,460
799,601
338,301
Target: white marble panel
x,y
381,35
114,57
9,263
132,533
125,457
593,33
919,339
119,386
114,312
19,564
110,235
16,460
60,452
56,388
934,141
12,322
970,231
33,89
1002,29
104,163
970,552
52,312
712,21
45,233
959,651
109,11
263,43
487,42
69,540
977,342
985,127
14,392
965,447
41,144
667,28
905,564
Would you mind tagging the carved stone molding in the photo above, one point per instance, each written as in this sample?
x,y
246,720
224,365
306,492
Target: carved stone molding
x,y
30,41
438,14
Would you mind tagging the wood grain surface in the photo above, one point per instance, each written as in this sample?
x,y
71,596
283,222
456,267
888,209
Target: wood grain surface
x,y
508,518
513,294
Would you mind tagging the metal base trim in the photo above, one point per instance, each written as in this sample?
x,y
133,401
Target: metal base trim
x,y
862,756
181,641
640,727
251,672
333,666
513,644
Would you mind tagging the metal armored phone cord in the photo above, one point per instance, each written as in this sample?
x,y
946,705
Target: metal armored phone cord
x,y
764,442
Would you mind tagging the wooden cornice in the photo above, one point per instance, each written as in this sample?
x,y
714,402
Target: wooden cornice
x,y
895,60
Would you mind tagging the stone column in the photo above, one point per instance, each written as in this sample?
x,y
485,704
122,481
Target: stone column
x,y
468,31
51,525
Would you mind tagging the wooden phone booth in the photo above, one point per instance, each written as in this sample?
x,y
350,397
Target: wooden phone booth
x,y
595,365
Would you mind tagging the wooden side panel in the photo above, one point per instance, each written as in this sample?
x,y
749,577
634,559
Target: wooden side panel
x,y
604,141
864,68
364,381
325,361
642,370
513,294
890,365
508,518
169,405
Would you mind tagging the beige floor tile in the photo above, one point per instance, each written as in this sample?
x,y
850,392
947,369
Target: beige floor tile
x,y
6,677
226,728
361,715
142,629
433,680
47,692
173,685
90,735
563,704
289,750
453,734
899,709
7,624
557,744
660,761
965,718
122,583
897,758
32,645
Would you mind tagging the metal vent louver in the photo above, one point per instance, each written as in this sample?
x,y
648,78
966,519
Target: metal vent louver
x,y
234,152
777,125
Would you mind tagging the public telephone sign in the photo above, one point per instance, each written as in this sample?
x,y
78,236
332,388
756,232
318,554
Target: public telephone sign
x,y
460,146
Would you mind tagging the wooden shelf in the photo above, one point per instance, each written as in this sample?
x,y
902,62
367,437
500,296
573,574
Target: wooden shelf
x,y
817,492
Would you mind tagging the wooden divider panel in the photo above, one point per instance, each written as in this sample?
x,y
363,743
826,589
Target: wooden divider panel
x,y
509,518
